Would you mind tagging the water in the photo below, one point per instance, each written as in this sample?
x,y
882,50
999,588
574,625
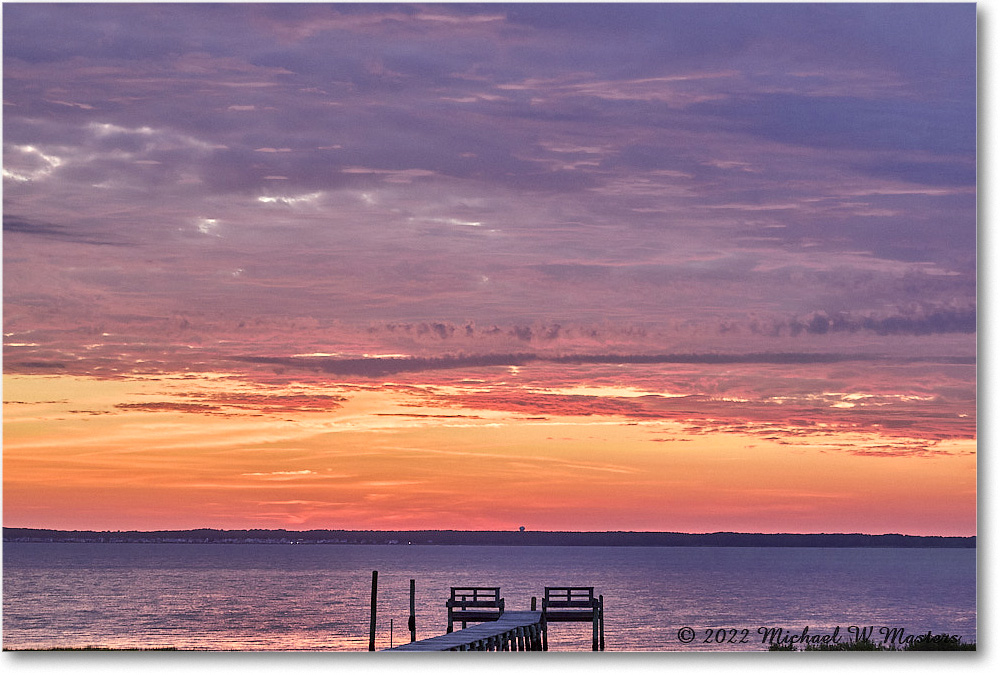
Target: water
x,y
317,597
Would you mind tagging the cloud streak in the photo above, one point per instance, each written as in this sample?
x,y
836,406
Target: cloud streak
x,y
379,367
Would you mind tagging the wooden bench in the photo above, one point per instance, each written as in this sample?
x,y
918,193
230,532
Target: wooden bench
x,y
474,604
573,603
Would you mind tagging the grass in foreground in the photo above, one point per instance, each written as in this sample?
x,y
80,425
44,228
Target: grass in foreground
x,y
92,648
935,643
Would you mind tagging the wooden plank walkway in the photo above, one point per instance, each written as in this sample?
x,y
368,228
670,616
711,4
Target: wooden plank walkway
x,y
513,631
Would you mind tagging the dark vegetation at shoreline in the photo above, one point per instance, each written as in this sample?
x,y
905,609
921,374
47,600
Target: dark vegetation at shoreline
x,y
90,648
935,643
486,538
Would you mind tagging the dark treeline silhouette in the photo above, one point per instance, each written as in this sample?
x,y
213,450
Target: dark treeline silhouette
x,y
487,538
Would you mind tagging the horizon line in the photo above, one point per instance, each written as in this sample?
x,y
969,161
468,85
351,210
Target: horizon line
x,y
526,531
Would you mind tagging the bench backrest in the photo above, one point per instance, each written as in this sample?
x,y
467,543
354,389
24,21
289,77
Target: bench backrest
x,y
569,596
475,597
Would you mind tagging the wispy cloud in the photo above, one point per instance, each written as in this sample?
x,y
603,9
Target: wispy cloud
x,y
378,367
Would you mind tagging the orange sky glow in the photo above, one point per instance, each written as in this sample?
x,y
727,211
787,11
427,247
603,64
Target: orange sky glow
x,y
496,451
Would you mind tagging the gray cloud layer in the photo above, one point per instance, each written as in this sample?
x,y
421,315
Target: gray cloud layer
x,y
806,169
380,367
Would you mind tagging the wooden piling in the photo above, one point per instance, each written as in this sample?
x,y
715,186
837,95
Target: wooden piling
x,y
371,625
602,622
413,610
595,642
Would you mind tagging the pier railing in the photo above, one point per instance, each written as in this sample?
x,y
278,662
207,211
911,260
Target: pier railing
x,y
575,604
474,604
500,630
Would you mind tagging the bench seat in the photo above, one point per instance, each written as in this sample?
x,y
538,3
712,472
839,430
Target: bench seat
x,y
573,604
474,603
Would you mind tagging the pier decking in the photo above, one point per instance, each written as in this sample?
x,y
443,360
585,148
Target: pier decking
x,y
499,630
511,632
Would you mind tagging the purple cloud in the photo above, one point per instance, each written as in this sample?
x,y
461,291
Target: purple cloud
x,y
694,172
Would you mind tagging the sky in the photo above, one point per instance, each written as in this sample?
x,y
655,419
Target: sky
x,y
674,267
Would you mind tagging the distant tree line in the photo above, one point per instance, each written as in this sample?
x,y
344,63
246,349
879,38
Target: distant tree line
x,y
487,538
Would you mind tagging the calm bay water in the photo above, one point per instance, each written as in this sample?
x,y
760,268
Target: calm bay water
x,y
316,597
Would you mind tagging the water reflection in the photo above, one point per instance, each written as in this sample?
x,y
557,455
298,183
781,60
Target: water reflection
x,y
306,598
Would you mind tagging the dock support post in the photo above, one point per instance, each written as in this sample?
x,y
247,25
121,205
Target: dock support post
x,y
595,642
371,625
413,610
602,621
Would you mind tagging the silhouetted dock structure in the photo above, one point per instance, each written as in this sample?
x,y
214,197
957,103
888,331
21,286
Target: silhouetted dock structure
x,y
510,632
576,604
500,630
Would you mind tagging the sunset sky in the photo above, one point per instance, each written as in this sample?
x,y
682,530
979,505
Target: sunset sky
x,y
585,267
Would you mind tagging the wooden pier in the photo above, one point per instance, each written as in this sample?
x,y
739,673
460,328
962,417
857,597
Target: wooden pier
x,y
511,632
503,631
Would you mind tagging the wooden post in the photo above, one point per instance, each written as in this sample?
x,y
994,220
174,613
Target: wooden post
x,y
545,628
413,610
371,626
596,606
534,603
602,622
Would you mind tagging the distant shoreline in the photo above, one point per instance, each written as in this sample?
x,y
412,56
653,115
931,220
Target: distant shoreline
x,y
484,538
